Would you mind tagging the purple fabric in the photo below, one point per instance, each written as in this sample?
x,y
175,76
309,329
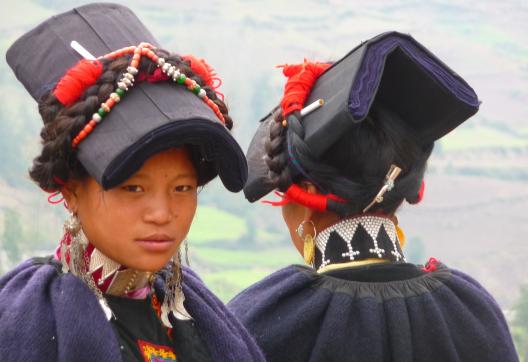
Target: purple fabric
x,y
373,62
49,316
297,315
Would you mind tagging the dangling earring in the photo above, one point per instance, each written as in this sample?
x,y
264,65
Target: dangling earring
x,y
73,247
186,245
309,243
173,291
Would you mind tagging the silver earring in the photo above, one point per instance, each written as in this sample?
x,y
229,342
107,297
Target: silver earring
x,y
173,291
186,245
74,245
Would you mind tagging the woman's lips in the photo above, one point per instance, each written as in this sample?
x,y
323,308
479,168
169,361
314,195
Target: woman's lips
x,y
158,242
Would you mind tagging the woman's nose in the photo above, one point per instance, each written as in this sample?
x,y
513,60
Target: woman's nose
x,y
159,210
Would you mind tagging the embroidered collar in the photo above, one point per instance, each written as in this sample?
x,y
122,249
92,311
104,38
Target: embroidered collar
x,y
109,276
356,239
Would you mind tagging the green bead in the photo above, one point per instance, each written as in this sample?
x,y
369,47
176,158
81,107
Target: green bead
x,y
120,92
196,89
101,112
181,79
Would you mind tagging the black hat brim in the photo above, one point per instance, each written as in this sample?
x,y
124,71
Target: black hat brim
x,y
155,117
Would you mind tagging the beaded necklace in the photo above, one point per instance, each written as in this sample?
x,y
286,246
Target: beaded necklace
x,y
363,238
128,79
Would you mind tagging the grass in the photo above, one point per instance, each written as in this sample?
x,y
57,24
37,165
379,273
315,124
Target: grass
x,y
245,259
212,224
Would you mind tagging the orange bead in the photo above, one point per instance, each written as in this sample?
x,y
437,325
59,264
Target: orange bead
x,y
135,64
110,102
83,134
88,128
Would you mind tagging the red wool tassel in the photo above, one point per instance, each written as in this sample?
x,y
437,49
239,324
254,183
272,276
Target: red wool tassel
x,y
284,200
301,78
420,195
205,71
156,76
297,194
76,80
421,192
431,265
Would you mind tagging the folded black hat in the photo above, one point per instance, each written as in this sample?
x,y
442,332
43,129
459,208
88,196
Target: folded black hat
x,y
392,69
153,117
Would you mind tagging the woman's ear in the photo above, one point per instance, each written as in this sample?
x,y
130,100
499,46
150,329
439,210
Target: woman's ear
x,y
311,189
70,192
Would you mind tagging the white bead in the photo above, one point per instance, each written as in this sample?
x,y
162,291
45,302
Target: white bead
x,y
122,86
127,81
161,61
165,67
115,97
171,71
202,93
96,117
176,75
132,70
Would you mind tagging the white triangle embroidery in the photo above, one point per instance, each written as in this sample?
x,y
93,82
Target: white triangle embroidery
x,y
98,260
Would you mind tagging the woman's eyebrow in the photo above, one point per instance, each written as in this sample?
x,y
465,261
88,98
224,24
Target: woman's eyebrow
x,y
144,175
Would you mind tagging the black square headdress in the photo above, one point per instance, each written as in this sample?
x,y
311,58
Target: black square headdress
x,y
153,117
393,69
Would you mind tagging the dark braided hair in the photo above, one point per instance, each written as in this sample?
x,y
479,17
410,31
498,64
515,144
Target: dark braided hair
x,y
57,161
354,167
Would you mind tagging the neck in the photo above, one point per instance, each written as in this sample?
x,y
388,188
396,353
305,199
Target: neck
x,y
365,239
107,275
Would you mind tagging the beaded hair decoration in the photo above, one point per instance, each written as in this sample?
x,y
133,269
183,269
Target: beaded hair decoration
x,y
86,72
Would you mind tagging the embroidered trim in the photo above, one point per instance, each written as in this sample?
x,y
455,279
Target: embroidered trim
x,y
360,238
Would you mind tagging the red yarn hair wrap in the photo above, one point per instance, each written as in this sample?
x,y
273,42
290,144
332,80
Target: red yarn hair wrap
x,y
301,78
79,77
297,194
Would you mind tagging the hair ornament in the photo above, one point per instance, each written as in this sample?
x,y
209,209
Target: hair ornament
x,y
86,73
388,185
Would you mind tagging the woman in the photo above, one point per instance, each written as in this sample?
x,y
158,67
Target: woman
x,y
343,170
128,138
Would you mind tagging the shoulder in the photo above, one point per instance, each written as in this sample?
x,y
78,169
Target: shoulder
x,y
28,277
216,324
289,279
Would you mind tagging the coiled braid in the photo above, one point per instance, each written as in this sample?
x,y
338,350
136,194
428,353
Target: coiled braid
x,y
354,167
57,161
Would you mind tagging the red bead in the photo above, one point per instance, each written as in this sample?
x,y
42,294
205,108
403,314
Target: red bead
x,y
92,123
110,102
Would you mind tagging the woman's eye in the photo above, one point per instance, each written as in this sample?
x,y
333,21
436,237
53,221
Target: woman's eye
x,y
132,188
183,188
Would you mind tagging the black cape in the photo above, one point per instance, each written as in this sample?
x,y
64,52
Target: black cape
x,y
395,312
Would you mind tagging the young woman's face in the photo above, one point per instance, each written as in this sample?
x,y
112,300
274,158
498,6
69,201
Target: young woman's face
x,y
140,223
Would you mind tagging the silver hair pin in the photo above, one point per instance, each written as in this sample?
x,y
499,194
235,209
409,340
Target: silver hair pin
x,y
81,50
312,107
388,185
